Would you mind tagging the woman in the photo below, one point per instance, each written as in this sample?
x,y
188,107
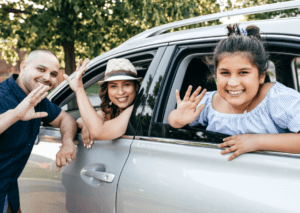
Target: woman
x,y
117,93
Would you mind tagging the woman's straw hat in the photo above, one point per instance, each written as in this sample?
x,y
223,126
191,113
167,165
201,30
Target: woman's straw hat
x,y
120,69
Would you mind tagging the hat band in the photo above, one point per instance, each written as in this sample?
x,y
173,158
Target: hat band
x,y
120,74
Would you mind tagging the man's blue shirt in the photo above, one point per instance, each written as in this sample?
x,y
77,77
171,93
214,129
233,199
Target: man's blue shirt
x,y
17,141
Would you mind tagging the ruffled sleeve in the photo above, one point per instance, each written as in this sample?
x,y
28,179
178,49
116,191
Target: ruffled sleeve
x,y
202,118
284,105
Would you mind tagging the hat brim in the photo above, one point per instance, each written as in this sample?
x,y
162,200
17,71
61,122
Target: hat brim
x,y
117,78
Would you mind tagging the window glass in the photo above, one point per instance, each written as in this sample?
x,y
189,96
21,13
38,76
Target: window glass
x,y
193,70
271,72
297,62
93,94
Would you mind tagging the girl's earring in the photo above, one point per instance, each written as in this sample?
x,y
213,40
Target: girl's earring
x,y
110,103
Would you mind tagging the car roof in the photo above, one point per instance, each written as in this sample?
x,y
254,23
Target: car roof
x,y
155,38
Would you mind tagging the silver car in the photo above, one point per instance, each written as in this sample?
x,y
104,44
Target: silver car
x,y
153,167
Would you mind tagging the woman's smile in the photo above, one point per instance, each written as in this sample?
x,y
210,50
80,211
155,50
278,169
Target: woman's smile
x,y
122,99
121,93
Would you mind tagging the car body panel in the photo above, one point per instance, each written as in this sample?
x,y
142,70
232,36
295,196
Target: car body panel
x,y
105,156
167,177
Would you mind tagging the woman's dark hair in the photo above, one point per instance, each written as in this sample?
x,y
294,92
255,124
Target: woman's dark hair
x,y
248,42
110,110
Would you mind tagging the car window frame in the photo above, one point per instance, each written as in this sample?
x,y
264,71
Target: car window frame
x,y
168,80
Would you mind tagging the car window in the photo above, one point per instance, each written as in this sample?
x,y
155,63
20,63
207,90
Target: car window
x,y
297,68
191,65
92,92
170,75
141,62
271,72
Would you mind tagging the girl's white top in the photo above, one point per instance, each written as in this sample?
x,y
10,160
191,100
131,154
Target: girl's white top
x,y
278,112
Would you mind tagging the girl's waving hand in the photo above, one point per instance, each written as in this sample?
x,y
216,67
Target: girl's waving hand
x,y
187,110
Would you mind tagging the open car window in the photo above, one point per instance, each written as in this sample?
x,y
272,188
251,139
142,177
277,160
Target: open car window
x,y
190,66
141,63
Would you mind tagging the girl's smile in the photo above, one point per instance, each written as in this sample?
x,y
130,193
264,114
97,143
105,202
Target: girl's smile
x,y
238,82
235,93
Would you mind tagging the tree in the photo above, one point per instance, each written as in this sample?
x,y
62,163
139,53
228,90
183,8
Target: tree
x,y
268,15
88,28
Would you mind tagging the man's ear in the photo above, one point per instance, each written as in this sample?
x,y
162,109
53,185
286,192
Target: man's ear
x,y
22,66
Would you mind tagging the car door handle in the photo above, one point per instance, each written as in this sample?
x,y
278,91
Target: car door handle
x,y
102,176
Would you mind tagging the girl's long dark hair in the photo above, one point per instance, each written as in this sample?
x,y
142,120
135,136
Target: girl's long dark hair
x,y
110,110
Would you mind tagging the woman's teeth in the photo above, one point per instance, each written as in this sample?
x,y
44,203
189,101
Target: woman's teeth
x,y
122,99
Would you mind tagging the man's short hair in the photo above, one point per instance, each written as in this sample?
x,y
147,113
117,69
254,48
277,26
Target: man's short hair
x,y
34,53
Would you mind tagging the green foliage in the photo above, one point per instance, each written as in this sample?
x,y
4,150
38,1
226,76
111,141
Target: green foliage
x,y
93,26
268,15
93,90
7,50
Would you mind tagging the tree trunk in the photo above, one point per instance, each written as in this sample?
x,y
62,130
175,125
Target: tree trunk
x,y
69,51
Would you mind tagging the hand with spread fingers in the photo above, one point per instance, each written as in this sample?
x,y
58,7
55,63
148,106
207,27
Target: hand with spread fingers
x,y
187,110
25,110
240,144
76,83
65,155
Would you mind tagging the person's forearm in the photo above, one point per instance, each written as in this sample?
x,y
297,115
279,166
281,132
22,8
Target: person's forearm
x,y
288,142
90,118
68,130
79,123
113,128
7,119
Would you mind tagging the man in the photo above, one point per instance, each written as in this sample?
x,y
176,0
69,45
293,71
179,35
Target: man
x,y
22,108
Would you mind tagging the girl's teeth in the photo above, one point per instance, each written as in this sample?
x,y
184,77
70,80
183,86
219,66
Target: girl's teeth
x,y
235,92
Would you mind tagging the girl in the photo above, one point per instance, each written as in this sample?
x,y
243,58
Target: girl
x,y
243,103
117,93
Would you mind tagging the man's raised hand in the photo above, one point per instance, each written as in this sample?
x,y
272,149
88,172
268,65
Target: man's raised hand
x,y
25,110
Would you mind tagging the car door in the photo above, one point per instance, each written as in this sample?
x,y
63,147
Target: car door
x,y
89,183
182,170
